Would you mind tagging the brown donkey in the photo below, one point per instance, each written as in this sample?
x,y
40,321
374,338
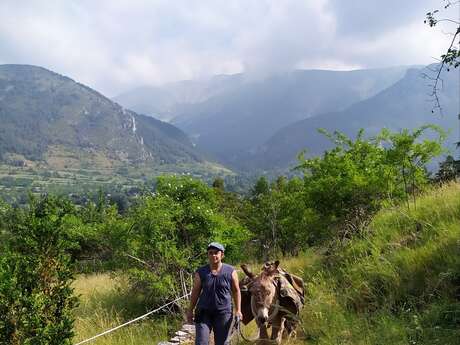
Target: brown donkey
x,y
271,299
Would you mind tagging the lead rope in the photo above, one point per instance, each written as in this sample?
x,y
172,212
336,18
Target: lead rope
x,y
239,332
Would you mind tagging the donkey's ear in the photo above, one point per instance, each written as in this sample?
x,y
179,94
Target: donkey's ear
x,y
247,271
277,263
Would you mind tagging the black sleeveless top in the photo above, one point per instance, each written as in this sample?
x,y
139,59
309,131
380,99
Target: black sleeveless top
x,y
216,289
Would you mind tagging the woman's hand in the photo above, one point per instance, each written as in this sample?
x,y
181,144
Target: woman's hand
x,y
239,315
189,316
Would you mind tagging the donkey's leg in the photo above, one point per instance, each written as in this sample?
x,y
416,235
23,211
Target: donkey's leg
x,y
277,329
289,329
263,333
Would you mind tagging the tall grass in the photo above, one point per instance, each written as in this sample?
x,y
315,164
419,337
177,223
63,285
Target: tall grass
x,y
396,283
105,302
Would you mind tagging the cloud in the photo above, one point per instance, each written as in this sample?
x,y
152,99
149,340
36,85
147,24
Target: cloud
x,y
113,46
370,18
289,31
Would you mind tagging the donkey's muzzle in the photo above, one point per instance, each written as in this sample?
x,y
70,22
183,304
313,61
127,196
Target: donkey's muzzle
x,y
262,319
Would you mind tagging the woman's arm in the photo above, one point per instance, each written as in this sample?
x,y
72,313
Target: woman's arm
x,y
194,298
236,294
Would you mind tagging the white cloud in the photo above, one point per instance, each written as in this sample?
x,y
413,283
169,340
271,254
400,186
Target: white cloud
x,y
116,45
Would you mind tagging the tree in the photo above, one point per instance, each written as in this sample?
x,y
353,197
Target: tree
x,y
100,234
277,216
296,220
261,187
409,154
350,182
347,184
36,275
218,184
448,170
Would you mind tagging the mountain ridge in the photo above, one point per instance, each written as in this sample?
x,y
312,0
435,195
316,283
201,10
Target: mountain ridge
x,y
242,119
47,117
405,104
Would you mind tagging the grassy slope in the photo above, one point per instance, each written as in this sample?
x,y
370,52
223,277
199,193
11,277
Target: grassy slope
x,y
397,284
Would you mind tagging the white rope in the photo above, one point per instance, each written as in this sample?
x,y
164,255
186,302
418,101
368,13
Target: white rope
x,y
134,320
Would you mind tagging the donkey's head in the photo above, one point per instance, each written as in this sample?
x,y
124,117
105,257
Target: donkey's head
x,y
264,292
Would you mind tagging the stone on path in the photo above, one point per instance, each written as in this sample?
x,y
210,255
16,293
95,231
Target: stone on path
x,y
188,328
185,335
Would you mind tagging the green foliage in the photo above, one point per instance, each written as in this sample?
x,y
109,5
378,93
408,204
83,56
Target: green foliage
x,y
158,237
261,187
351,182
4,211
278,217
396,284
448,170
170,231
347,183
100,234
409,155
36,273
218,183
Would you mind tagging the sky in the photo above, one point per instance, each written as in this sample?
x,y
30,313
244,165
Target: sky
x,y
116,45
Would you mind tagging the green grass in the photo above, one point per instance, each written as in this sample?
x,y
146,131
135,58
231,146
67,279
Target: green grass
x,y
398,283
105,303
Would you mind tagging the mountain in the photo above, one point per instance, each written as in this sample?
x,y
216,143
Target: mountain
x,y
52,120
167,101
243,118
406,104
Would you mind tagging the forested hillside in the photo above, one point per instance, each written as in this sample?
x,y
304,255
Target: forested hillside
x,y
52,120
59,136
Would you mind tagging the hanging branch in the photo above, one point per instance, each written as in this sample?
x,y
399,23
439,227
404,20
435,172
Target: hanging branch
x,y
450,58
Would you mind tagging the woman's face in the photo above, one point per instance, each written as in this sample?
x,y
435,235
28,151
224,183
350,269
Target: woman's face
x,y
215,256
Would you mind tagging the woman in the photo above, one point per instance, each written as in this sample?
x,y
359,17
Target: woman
x,y
213,287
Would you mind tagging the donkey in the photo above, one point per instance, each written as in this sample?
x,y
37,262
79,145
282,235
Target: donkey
x,y
273,301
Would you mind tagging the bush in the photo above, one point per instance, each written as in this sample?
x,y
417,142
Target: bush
x,y
349,183
35,275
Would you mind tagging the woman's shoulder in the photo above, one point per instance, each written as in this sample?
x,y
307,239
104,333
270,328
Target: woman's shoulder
x,y
228,268
203,269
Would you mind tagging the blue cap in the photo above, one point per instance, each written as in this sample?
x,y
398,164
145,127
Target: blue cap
x,y
216,245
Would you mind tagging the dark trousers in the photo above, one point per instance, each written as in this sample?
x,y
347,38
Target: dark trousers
x,y
218,322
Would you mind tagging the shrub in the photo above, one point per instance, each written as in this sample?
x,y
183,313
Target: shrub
x,y
35,275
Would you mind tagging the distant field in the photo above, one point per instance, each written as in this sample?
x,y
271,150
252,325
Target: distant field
x,y
16,181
